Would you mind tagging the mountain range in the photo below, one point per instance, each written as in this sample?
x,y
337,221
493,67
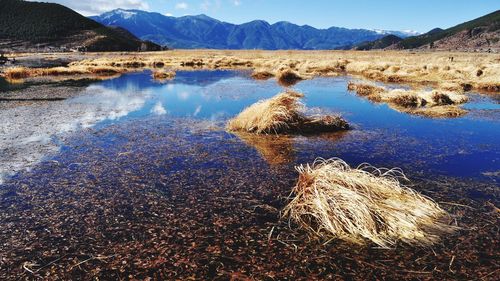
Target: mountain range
x,y
33,26
202,31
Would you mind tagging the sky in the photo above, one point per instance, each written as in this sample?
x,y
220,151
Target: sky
x,y
418,15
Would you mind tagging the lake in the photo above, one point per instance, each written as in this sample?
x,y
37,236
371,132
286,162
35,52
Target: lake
x,y
134,176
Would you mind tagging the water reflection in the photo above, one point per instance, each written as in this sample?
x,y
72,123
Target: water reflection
x,y
465,146
29,133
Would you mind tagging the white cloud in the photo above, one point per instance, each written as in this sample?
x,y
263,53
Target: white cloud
x,y
158,109
207,5
183,95
181,6
236,2
95,7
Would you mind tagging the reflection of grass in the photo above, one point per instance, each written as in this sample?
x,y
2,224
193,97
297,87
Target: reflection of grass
x,y
334,200
275,149
283,114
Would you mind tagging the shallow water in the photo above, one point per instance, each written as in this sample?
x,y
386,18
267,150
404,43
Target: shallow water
x,y
465,147
143,175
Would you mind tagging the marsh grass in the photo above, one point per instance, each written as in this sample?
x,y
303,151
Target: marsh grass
x,y
17,73
283,113
163,75
262,75
364,89
333,200
288,77
422,68
436,103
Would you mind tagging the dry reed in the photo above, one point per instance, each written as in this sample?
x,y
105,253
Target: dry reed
x,y
262,75
288,77
163,75
437,103
283,114
332,200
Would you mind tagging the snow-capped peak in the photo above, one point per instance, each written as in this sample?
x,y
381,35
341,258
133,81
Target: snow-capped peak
x,y
125,14
402,33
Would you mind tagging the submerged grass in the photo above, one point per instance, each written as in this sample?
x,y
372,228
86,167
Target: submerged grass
x,y
283,114
333,200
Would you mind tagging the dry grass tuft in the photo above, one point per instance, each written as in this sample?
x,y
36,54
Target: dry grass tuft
x,y
288,77
440,98
364,89
262,75
493,87
269,116
332,200
163,75
17,73
445,111
283,114
406,100
436,103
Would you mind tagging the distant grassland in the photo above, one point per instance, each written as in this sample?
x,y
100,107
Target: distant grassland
x,y
444,70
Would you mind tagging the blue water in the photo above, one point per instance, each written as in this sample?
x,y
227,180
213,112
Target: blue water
x,y
468,146
465,146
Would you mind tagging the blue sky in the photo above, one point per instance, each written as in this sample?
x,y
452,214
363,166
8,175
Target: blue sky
x,y
419,15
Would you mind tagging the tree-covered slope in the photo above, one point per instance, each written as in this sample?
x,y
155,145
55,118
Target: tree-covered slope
x,y
56,25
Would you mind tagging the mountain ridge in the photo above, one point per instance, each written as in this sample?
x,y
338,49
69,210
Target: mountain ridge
x,y
202,31
479,33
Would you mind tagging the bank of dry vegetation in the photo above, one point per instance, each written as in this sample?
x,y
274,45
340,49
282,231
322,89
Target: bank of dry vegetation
x,y
442,70
432,103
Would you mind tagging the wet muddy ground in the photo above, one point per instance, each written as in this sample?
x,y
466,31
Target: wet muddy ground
x,y
146,192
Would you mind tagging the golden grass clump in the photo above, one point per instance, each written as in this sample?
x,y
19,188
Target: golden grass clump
x,y
288,77
437,103
17,73
364,89
283,114
262,75
163,75
333,200
445,111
